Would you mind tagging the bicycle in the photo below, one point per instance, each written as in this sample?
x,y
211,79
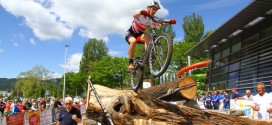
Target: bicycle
x,y
158,55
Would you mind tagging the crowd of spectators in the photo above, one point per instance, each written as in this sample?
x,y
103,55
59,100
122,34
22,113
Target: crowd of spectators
x,y
261,102
10,107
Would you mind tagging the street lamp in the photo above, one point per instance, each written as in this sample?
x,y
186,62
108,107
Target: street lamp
x,y
63,92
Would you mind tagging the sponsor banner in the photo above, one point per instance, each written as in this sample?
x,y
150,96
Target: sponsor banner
x,y
3,121
240,104
34,118
26,118
243,104
83,109
46,117
16,119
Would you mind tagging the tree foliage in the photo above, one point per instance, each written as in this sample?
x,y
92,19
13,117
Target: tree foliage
x,y
111,72
34,82
93,51
74,85
193,28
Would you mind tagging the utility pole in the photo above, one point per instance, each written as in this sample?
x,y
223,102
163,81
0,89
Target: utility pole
x,y
63,92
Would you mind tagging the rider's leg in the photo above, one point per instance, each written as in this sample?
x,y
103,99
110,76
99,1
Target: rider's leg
x,y
132,45
145,38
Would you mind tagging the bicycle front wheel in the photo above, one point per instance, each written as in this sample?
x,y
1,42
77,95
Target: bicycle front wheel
x,y
161,54
136,76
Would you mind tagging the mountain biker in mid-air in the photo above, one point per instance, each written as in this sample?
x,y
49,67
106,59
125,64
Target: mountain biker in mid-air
x,y
142,20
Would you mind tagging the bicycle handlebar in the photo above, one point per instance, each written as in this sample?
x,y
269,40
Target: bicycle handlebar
x,y
169,21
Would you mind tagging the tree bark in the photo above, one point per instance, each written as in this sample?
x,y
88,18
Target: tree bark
x,y
127,107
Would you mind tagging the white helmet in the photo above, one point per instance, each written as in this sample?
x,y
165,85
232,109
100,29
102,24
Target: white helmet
x,y
154,4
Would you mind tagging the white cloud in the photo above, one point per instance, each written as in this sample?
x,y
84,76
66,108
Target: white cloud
x,y
32,41
58,19
2,50
56,75
72,63
44,24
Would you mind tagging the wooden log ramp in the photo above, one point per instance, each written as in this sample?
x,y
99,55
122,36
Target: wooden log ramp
x,y
151,106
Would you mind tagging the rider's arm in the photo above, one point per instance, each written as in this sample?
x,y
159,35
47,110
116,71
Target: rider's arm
x,y
140,12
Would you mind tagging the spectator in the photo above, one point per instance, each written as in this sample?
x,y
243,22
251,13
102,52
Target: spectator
x,y
52,101
69,115
207,101
22,107
47,104
8,107
28,104
57,104
221,99
14,108
226,100
2,107
42,104
234,94
262,103
34,106
215,100
248,95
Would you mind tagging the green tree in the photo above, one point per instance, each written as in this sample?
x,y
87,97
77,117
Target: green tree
x,y
93,51
193,28
73,84
207,33
33,82
110,72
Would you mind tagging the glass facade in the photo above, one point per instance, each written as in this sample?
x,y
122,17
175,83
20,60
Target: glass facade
x,y
242,61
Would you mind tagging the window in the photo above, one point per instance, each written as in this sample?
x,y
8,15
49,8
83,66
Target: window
x,y
234,66
217,56
234,75
251,40
267,32
232,83
236,47
225,52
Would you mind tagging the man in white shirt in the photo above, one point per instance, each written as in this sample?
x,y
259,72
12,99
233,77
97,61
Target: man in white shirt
x,y
248,95
262,103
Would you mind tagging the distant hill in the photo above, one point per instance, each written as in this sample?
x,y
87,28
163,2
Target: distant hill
x,y
8,83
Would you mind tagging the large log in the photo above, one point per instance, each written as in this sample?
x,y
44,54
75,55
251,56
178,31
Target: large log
x,y
144,108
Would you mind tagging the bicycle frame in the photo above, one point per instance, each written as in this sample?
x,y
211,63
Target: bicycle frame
x,y
145,55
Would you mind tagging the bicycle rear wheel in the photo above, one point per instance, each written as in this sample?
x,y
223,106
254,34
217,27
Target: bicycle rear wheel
x,y
136,76
161,54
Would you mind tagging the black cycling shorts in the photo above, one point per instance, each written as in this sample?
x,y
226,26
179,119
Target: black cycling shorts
x,y
130,33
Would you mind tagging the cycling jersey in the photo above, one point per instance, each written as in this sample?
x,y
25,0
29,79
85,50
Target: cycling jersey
x,y
139,25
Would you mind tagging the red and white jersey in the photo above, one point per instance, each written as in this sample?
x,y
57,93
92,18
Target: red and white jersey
x,y
140,24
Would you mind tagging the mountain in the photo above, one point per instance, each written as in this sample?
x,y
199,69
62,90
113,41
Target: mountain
x,y
7,83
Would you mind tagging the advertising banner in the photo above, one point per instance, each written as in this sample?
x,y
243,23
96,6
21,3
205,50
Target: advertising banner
x,y
243,104
83,109
3,121
46,117
16,119
34,118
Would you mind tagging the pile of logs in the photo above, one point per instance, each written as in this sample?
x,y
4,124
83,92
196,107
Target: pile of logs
x,y
151,106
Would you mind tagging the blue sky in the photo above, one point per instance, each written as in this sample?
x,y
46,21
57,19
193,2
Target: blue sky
x,y
34,32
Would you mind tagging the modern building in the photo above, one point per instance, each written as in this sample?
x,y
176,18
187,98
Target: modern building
x,y
240,50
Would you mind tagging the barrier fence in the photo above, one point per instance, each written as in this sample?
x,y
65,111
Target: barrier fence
x,y
38,117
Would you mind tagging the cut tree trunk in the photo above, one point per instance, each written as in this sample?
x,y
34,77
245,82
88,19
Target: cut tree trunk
x,y
127,107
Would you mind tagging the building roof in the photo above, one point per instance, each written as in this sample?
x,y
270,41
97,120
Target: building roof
x,y
258,8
